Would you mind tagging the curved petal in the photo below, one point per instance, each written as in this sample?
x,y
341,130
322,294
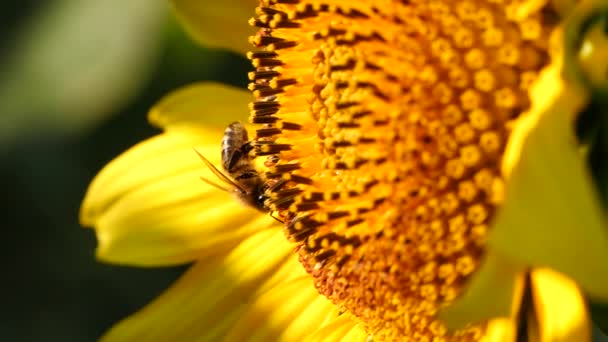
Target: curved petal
x,y
206,301
150,207
500,330
207,103
551,215
341,329
287,312
560,308
223,24
495,291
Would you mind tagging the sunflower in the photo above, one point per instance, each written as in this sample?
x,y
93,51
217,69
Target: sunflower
x,y
421,156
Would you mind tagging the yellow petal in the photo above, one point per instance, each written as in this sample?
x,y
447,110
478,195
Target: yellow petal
x,y
551,215
500,330
206,103
494,291
341,329
561,312
206,301
287,312
150,207
356,333
222,24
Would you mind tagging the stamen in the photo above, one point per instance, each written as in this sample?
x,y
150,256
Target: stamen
x,y
267,132
262,75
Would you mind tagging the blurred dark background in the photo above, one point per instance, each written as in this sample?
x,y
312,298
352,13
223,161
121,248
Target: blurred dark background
x,y
52,288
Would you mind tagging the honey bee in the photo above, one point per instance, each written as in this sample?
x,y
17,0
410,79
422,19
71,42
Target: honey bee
x,y
247,184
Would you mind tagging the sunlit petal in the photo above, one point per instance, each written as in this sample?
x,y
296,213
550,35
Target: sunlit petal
x,y
560,308
341,329
287,312
210,297
222,24
150,207
500,330
206,103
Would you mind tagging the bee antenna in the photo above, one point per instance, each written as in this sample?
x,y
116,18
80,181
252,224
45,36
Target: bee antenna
x,y
218,174
215,185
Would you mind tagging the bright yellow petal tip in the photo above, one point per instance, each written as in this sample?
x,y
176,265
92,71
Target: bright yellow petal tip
x,y
288,312
560,308
150,207
500,330
206,103
221,24
341,329
212,295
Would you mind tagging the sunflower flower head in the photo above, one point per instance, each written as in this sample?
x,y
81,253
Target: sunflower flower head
x,y
388,120
420,154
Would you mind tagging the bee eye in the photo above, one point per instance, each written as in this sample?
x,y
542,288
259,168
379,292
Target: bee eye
x,y
247,175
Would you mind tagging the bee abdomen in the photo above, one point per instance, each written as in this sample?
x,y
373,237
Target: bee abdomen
x,y
235,138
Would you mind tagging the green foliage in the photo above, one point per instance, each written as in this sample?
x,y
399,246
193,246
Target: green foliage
x,y
75,62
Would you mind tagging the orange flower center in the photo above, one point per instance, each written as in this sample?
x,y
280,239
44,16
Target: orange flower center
x,y
388,120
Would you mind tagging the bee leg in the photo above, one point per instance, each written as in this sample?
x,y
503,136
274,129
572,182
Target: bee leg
x,y
273,213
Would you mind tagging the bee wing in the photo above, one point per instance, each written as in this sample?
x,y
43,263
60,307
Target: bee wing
x,y
217,173
214,184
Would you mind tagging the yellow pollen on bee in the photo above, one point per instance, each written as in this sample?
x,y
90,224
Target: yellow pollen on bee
x,y
384,124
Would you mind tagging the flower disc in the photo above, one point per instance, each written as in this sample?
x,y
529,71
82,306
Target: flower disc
x,y
386,122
